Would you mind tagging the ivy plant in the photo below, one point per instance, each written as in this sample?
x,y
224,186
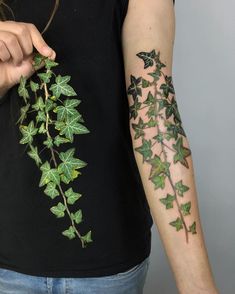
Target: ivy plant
x,y
153,106
48,119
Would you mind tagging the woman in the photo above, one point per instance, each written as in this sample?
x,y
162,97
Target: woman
x,y
110,49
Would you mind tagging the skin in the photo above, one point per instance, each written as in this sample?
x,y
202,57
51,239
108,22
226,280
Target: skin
x,y
149,25
17,41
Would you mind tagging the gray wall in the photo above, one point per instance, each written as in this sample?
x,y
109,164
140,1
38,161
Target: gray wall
x,y
204,78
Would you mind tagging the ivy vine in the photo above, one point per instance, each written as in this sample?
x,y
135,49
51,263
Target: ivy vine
x,y
161,109
54,120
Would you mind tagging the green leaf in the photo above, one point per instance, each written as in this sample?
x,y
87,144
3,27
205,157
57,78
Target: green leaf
x,y
77,216
87,238
181,152
49,63
158,166
71,127
70,233
51,190
37,59
68,109
42,129
60,140
134,109
34,86
150,99
167,87
168,201
186,208
134,89
58,210
23,113
175,130
70,163
48,142
192,228
49,175
147,57
180,188
61,87
151,123
22,91
39,105
159,181
49,105
139,128
178,224
41,116
145,83
72,196
45,76
172,109
145,149
28,132
33,153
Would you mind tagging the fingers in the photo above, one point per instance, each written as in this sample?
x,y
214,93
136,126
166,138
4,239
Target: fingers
x,y
18,39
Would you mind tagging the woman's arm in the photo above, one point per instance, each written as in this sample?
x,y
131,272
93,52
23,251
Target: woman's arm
x,y
160,143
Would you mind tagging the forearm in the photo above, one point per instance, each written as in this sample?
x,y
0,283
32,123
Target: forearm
x,y
162,150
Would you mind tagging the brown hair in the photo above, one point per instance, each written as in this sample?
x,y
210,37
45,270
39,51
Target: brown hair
x,y
4,6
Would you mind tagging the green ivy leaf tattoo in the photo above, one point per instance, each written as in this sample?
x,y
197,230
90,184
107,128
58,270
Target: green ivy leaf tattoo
x,y
158,109
49,115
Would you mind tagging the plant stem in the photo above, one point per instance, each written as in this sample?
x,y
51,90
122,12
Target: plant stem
x,y
56,165
168,175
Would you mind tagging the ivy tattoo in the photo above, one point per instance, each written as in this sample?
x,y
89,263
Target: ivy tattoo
x,y
157,109
54,120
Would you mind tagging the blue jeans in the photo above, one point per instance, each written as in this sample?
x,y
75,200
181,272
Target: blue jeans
x,y
129,282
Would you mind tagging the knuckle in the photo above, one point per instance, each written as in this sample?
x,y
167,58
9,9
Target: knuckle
x,y
22,30
11,39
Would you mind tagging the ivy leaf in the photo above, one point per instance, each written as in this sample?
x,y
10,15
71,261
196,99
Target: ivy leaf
x,y
139,128
145,83
134,89
34,86
151,123
70,233
175,130
87,238
41,116
134,109
72,196
71,127
178,224
168,201
48,142
186,208
168,86
172,109
33,153
145,149
181,152
23,113
158,181
49,175
192,228
45,76
155,74
51,190
42,129
150,99
49,105
180,188
147,57
39,105
61,87
158,166
162,103
37,59
28,132
68,109
49,63
77,216
60,140
58,210
151,111
69,163
22,91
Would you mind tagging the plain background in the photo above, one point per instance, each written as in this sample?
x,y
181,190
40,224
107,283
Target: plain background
x,y
204,79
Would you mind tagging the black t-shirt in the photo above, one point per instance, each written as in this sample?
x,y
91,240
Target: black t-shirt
x,y
86,36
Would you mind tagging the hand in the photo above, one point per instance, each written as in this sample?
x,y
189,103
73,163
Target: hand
x,y
17,40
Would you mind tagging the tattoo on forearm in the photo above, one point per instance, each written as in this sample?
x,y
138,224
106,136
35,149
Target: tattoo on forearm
x,y
154,106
